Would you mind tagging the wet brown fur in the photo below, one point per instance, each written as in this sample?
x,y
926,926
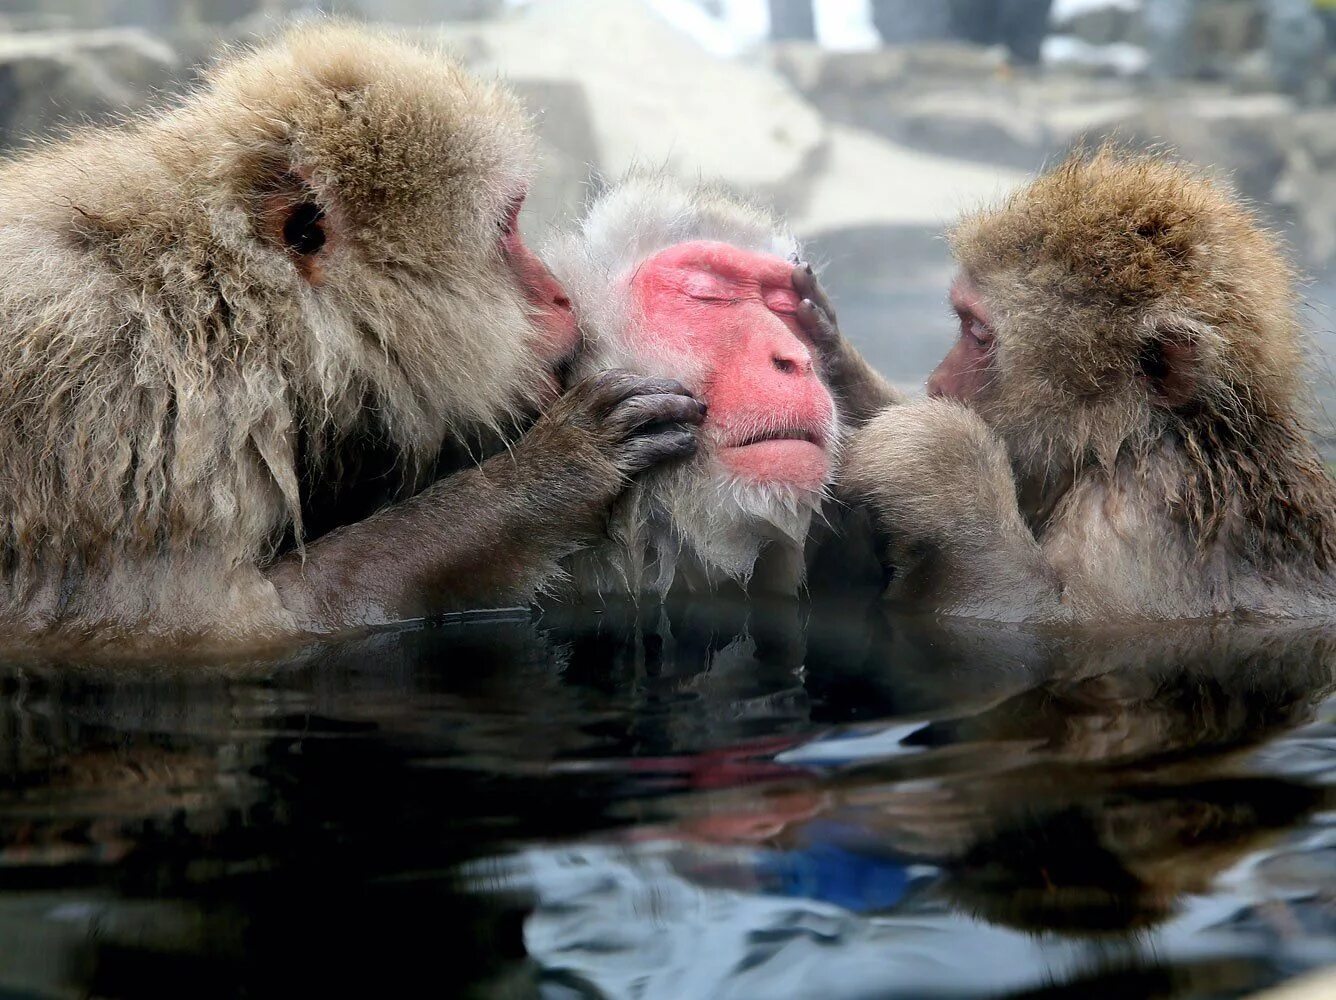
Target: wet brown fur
x,y
1132,500
173,376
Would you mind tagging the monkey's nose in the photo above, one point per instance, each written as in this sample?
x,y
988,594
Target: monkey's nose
x,y
792,362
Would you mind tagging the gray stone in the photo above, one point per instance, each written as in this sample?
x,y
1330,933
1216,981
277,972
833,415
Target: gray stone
x,y
792,19
569,151
50,79
432,11
972,127
1229,28
1102,26
1191,38
1245,137
656,98
1307,187
902,21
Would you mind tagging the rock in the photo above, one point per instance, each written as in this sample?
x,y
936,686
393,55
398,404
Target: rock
x,y
432,11
1069,53
896,92
1107,25
1228,28
655,98
823,76
1296,48
901,21
1021,25
1315,138
955,100
1307,188
972,127
1244,137
567,147
1188,38
861,179
49,79
791,19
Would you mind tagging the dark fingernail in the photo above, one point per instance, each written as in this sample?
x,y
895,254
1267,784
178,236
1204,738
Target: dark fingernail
x,y
808,269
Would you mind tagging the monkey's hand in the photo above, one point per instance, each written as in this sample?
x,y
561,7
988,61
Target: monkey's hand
x,y
494,534
630,421
587,447
940,488
859,388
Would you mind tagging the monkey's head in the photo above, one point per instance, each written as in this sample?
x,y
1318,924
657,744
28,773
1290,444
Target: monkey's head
x,y
1110,301
373,187
693,285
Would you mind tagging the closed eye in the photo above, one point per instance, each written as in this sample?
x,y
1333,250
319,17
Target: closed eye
x,y
709,287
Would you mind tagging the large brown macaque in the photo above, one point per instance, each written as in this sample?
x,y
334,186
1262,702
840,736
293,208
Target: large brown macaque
x,y
695,285
237,338
1117,433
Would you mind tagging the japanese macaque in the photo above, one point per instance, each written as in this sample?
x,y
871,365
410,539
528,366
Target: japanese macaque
x,y
692,285
1117,433
230,329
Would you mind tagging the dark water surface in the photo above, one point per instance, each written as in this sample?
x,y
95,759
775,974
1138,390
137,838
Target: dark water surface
x,y
708,802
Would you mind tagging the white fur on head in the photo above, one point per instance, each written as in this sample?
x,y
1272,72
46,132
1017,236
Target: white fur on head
x,y
692,521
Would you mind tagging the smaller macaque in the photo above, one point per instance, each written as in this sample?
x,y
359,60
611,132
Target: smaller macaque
x,y
695,286
1117,432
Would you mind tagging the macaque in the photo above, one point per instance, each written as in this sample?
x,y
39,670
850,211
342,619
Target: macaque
x,y
695,286
1117,432
238,336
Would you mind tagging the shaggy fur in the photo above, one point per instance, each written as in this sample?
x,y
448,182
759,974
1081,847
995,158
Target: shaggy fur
x,y
1097,276
691,522
164,358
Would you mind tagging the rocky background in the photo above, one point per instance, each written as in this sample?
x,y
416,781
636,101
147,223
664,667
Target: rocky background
x,y
869,152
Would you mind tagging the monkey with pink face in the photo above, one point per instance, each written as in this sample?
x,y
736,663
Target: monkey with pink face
x,y
695,285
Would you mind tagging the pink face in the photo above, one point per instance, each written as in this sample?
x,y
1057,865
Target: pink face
x,y
967,370
557,334
732,313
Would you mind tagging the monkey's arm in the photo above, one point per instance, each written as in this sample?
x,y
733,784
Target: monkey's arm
x,y
494,534
862,391
943,498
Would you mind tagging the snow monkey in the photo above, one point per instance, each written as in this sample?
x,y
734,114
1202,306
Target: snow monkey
x,y
694,285
1116,433
306,276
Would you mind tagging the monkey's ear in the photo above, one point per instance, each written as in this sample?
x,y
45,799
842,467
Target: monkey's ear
x,y
1170,363
293,218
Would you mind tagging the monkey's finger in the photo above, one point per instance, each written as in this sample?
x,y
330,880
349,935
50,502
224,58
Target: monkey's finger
x,y
817,324
666,445
808,286
659,386
608,389
663,408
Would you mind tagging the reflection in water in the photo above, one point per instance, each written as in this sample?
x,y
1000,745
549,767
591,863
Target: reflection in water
x,y
708,800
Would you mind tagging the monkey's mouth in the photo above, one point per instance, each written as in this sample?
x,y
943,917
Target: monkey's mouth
x,y
793,455
780,434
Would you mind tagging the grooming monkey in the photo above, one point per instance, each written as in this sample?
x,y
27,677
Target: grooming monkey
x,y
694,285
231,333
1116,434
